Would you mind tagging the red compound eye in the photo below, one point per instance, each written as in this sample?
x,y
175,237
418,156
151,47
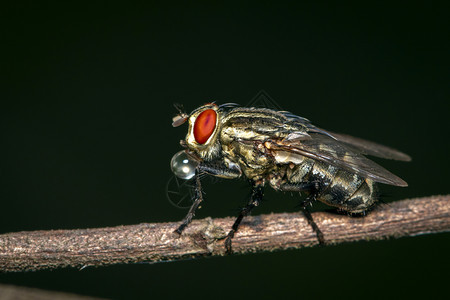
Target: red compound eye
x,y
204,125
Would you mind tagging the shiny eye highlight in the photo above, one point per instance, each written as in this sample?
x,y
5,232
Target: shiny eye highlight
x,y
204,125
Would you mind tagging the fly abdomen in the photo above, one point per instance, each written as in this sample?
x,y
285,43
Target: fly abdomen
x,y
334,186
323,174
363,199
319,175
349,192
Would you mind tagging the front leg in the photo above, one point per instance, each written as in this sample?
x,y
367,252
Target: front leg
x,y
255,199
215,168
198,198
221,168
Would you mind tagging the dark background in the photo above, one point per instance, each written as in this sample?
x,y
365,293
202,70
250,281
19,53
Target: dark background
x,y
86,135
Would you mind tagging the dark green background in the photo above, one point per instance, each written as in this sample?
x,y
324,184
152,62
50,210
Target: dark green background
x,y
86,135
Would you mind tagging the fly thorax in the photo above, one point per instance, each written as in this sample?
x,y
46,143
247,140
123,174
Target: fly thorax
x,y
277,177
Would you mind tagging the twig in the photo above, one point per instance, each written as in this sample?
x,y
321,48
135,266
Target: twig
x,y
37,250
10,292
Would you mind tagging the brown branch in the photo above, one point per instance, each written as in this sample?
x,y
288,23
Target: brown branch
x,y
36,250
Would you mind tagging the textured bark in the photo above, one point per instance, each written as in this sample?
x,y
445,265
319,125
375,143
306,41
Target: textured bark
x,y
36,250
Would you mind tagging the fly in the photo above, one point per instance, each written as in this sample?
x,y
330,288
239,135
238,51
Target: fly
x,y
284,151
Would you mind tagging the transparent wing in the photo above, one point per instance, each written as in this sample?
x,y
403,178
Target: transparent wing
x,y
370,148
343,155
355,144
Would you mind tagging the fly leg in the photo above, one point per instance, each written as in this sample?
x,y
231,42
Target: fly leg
x,y
198,198
307,213
255,199
215,168
312,188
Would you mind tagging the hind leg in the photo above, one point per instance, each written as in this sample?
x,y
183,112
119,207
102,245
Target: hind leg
x,y
312,188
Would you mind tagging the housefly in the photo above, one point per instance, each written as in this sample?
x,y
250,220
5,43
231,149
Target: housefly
x,y
284,151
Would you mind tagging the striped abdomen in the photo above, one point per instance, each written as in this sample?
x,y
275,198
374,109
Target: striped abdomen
x,y
335,187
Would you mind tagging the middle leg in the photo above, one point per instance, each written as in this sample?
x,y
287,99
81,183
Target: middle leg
x,y
255,200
